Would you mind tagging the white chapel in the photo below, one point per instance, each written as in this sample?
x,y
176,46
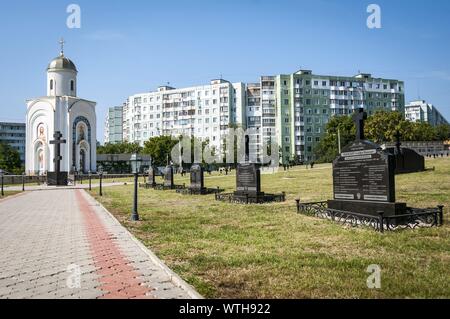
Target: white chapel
x,y
61,110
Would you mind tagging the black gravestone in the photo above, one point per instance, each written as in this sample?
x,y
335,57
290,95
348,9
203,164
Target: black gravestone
x,y
364,177
168,177
151,177
197,178
406,160
248,178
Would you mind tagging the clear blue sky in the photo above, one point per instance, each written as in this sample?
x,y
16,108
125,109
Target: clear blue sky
x,y
128,47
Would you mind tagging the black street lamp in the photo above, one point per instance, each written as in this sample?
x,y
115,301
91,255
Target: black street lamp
x,y
23,181
2,174
136,162
90,180
100,174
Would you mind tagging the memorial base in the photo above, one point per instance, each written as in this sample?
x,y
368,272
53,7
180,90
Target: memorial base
x,y
147,185
250,198
54,179
368,208
202,191
162,187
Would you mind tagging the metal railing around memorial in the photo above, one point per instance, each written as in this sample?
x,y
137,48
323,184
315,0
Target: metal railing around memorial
x,y
245,199
415,218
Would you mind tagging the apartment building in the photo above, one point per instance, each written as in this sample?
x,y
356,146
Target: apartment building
x,y
206,112
305,103
14,135
291,109
114,125
421,111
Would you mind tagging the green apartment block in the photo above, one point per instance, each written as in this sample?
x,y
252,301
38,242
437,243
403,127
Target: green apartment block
x,y
305,102
114,125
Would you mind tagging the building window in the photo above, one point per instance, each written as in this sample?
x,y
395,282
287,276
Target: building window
x,y
72,85
51,84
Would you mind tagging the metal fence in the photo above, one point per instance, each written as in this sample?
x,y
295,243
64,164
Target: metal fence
x,y
415,218
246,199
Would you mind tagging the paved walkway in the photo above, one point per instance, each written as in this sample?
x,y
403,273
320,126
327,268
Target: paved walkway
x,y
63,244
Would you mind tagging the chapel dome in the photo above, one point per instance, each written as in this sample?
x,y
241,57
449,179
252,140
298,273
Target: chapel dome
x,y
62,63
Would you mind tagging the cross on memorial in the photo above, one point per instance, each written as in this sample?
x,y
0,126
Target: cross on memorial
x,y
247,148
359,117
398,141
57,142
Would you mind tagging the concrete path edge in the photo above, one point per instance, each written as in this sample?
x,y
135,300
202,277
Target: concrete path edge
x,y
176,279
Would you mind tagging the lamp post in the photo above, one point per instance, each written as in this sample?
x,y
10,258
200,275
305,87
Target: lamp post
x,y
100,174
90,180
23,181
136,162
2,174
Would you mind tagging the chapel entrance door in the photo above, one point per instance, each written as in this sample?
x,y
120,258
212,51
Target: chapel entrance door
x,y
83,161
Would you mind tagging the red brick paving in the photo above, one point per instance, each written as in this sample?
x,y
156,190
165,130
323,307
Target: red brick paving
x,y
117,279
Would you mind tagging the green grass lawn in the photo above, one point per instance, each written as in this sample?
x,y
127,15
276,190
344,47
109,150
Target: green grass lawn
x,y
268,251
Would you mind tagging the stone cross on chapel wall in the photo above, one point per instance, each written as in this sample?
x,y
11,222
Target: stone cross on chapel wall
x,y
359,117
57,142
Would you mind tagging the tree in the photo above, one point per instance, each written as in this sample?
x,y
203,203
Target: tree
x,y
10,159
328,148
443,132
159,148
422,131
383,125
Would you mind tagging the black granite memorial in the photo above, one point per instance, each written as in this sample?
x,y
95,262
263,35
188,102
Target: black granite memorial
x,y
364,190
151,178
168,176
197,186
197,178
57,178
248,183
406,160
364,177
